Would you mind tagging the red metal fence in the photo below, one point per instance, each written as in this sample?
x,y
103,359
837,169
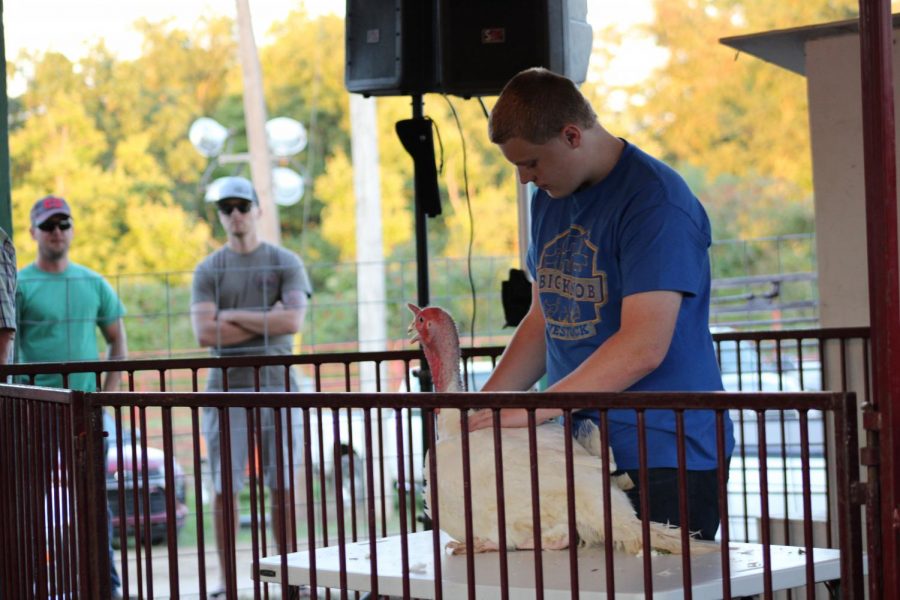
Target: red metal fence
x,y
367,485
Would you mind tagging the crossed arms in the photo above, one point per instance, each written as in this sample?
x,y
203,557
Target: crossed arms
x,y
214,328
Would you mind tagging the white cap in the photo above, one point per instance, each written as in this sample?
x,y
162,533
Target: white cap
x,y
231,187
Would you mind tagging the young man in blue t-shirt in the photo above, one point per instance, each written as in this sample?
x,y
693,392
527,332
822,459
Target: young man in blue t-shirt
x,y
621,287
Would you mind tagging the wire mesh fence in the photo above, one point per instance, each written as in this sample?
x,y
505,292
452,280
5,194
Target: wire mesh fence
x,y
763,283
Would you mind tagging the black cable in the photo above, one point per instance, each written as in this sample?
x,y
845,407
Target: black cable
x,y
437,132
471,219
484,108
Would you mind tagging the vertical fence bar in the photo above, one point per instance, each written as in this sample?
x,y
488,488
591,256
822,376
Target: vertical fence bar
x,y
535,506
849,518
722,468
255,479
121,499
339,505
35,504
501,506
198,495
432,499
171,518
807,506
683,505
92,520
570,504
229,525
370,500
291,518
8,523
145,498
467,504
278,497
764,500
644,487
137,510
606,485
310,502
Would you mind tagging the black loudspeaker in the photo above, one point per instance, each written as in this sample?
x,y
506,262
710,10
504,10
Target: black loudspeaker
x,y
483,43
389,47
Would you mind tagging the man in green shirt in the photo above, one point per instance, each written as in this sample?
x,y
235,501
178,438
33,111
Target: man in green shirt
x,y
60,305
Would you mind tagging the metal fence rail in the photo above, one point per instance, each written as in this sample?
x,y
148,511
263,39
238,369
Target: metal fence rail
x,y
53,519
308,528
157,466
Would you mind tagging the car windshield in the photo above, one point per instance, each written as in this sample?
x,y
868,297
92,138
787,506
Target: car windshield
x,y
749,361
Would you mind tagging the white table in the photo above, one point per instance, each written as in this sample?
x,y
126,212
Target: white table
x,y
788,571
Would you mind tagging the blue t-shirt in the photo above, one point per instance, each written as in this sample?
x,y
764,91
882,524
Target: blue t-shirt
x,y
640,229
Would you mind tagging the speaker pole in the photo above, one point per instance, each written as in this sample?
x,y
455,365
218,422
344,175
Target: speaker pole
x,y
421,192
421,219
418,139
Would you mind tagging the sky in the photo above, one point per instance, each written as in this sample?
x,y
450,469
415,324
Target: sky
x,y
71,27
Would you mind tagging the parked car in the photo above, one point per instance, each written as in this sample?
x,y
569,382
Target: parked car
x,y
156,488
746,370
352,445
753,373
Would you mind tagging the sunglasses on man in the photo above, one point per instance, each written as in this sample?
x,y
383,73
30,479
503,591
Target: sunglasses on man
x,y
62,225
242,207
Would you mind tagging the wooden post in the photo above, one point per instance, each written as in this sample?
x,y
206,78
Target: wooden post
x,y
879,152
255,123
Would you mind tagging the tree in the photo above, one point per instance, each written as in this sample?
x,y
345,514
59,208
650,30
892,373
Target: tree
x,y
118,191
734,120
303,78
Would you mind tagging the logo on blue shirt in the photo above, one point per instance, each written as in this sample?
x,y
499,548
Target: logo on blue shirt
x,y
572,289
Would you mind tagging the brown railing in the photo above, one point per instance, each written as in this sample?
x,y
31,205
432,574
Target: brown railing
x,y
53,518
835,359
309,528
385,434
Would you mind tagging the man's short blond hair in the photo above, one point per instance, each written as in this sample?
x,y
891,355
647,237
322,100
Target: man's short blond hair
x,y
535,105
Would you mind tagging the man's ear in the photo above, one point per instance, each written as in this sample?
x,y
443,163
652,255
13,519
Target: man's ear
x,y
572,135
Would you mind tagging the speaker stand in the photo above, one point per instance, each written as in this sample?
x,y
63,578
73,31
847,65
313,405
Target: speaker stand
x,y
418,140
417,137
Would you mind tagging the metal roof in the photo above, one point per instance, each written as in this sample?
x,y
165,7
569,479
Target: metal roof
x,y
787,47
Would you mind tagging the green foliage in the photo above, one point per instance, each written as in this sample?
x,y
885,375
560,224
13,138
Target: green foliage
x,y
738,123
158,322
111,135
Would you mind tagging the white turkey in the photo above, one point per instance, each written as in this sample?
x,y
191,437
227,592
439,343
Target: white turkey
x,y
436,331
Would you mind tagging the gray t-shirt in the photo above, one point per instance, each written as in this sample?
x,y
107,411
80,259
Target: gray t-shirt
x,y
256,280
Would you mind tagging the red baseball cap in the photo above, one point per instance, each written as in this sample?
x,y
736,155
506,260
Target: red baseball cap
x,y
48,206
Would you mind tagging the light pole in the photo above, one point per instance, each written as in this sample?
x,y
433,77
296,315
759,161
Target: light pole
x,y
285,139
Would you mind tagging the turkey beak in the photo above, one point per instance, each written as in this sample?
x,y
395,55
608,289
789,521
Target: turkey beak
x,y
411,330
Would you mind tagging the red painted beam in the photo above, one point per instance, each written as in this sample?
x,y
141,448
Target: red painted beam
x,y
876,37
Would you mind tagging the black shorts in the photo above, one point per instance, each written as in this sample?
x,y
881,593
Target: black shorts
x,y
702,498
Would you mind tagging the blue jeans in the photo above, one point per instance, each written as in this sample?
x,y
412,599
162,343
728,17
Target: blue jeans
x,y
702,497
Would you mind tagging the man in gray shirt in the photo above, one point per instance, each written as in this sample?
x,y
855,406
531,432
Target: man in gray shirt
x,y
248,297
